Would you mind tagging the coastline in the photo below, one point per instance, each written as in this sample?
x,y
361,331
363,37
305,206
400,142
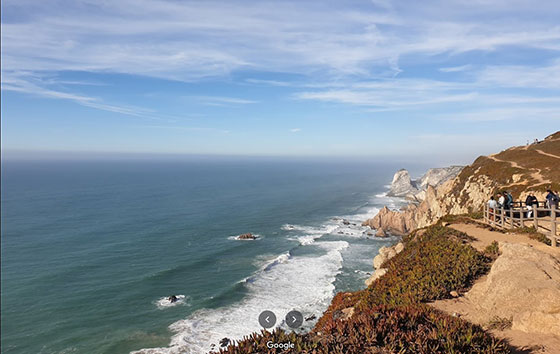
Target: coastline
x,y
442,260
186,331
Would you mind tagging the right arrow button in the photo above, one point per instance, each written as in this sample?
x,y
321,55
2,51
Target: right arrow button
x,y
294,319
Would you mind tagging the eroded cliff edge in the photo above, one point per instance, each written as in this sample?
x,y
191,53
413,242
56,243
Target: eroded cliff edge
x,y
519,169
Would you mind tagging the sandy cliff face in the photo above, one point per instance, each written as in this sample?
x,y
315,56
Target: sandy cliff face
x,y
524,286
519,170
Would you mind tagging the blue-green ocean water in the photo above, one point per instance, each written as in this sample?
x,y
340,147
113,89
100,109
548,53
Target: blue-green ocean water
x,y
90,248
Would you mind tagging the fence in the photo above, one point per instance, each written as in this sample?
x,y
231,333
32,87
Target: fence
x,y
520,215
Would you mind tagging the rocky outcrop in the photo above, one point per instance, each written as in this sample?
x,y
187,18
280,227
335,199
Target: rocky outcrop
x,y
402,185
384,254
380,233
247,236
378,273
518,169
523,285
415,190
392,221
437,176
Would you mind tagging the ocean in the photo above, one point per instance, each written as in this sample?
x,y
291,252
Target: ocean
x,y
91,249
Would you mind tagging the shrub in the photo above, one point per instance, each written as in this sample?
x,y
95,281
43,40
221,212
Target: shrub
x,y
382,329
431,265
492,250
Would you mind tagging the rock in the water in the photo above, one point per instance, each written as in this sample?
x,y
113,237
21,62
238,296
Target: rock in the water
x,y
310,318
346,222
247,236
523,284
380,233
391,221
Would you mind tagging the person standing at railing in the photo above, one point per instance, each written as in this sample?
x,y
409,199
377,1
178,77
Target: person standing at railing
x,y
492,205
508,202
552,200
531,202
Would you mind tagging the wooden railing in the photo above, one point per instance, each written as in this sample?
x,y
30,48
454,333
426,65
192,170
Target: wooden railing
x,y
519,215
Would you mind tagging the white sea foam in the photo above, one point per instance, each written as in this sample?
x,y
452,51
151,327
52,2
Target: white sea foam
x,y
304,283
308,234
164,302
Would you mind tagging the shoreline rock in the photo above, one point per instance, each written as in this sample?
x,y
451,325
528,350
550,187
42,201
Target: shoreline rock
x,y
384,254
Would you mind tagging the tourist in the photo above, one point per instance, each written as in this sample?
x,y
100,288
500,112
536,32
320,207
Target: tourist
x,y
531,202
492,205
508,202
552,200
501,200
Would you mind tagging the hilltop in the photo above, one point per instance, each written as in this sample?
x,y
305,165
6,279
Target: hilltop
x,y
519,169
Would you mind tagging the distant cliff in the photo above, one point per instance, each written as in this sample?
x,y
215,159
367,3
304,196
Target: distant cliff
x,y
414,190
519,169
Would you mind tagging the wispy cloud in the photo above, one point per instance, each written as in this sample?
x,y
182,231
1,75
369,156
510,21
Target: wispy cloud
x,y
27,83
295,130
453,69
189,40
221,101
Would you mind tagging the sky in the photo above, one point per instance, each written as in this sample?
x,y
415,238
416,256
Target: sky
x,y
439,80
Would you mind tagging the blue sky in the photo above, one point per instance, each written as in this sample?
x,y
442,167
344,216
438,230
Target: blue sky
x,y
438,80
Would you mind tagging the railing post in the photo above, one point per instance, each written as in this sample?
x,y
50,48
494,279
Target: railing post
x,y
521,223
502,217
511,217
535,218
553,225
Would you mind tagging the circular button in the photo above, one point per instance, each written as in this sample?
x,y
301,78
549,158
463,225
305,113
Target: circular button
x,y
267,319
294,319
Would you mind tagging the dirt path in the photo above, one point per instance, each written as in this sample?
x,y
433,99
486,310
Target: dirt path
x,y
484,237
521,342
547,154
537,175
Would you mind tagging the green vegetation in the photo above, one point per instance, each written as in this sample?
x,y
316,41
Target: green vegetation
x,y
390,316
382,329
492,250
469,218
432,265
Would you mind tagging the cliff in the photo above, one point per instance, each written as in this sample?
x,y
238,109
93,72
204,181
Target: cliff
x,y
403,186
519,169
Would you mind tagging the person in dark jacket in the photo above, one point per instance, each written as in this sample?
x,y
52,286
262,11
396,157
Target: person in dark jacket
x,y
551,199
531,202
